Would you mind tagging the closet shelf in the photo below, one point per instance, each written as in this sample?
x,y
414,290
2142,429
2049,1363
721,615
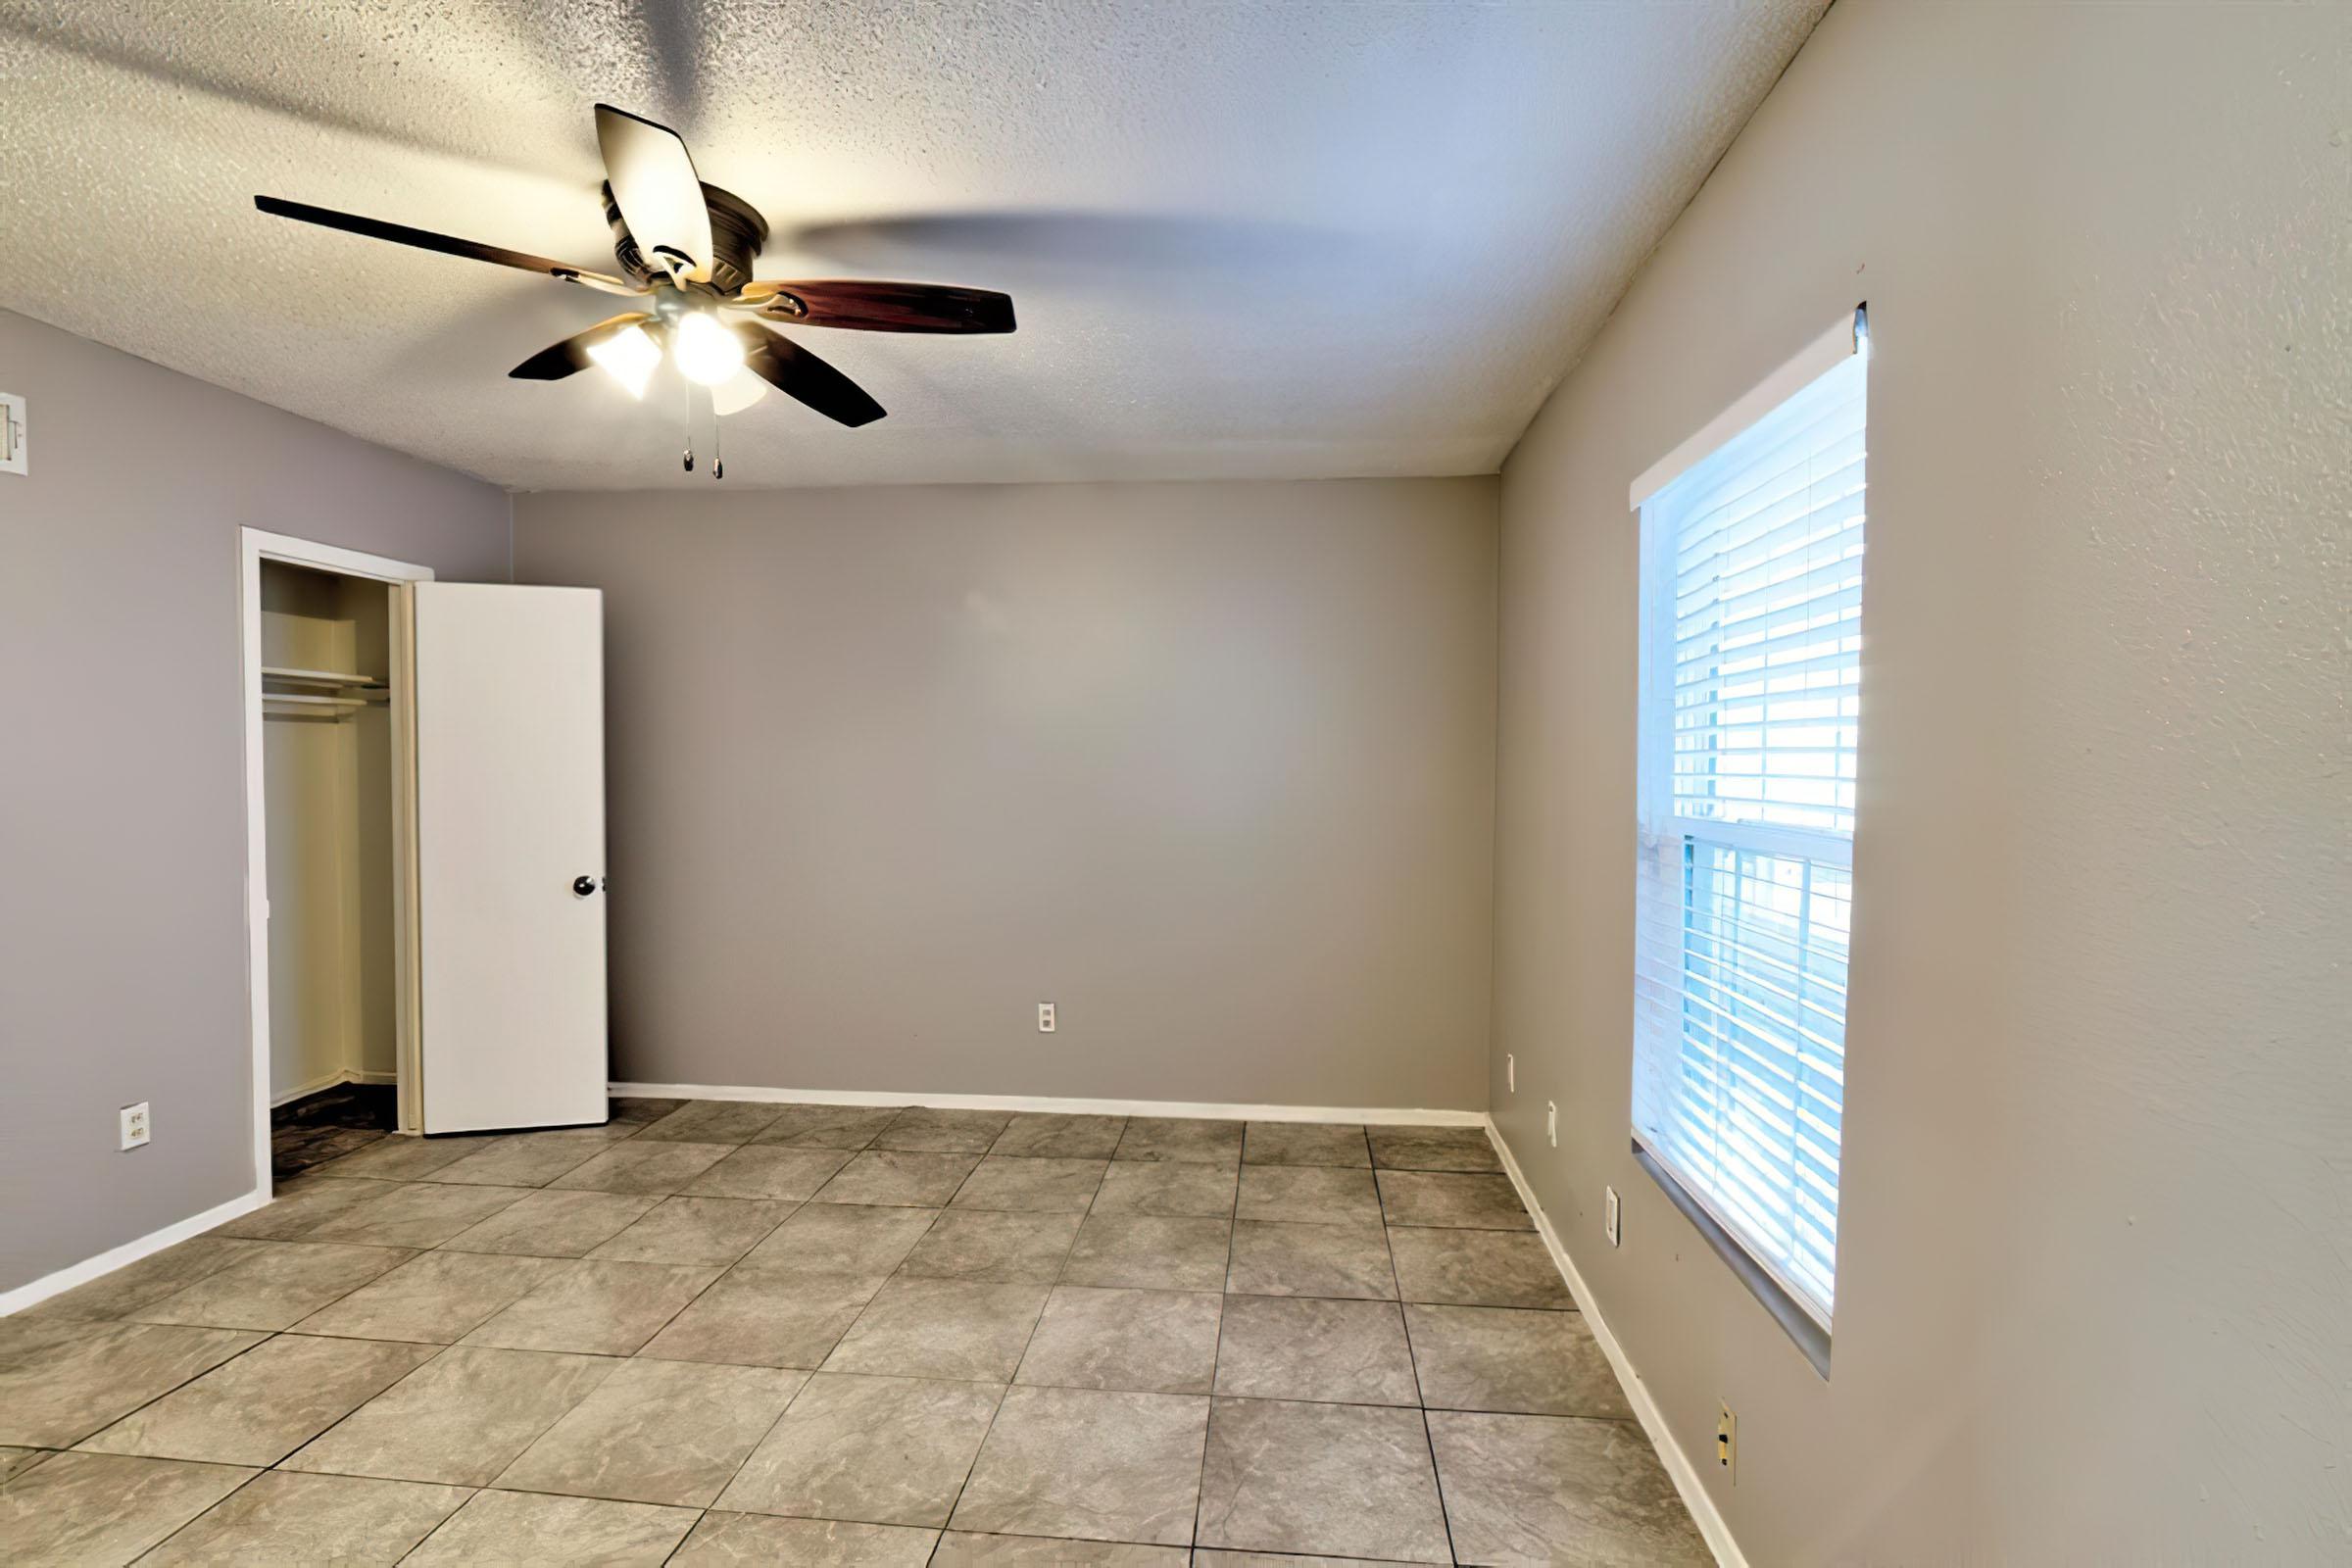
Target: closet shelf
x,y
318,677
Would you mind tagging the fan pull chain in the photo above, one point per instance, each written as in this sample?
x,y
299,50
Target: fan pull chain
x,y
718,461
690,427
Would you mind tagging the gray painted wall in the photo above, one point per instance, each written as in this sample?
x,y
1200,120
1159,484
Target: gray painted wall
x,y
2092,1274
1208,765
122,797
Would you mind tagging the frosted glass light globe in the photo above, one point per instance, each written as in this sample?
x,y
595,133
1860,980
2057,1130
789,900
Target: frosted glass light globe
x,y
628,356
706,351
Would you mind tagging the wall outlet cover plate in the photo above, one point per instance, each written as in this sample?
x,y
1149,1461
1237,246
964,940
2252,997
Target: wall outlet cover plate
x,y
12,434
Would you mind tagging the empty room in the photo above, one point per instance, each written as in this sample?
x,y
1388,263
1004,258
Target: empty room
x,y
1176,782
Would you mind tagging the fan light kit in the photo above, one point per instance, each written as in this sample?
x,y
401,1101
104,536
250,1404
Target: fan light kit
x,y
707,352
686,250
629,357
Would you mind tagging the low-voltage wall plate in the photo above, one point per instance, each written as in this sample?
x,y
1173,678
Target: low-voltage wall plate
x,y
12,434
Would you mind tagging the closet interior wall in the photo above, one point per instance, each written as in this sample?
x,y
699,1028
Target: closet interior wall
x,y
327,777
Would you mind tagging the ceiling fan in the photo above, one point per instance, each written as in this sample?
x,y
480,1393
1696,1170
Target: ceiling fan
x,y
686,249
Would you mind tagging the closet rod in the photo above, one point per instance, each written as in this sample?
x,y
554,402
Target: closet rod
x,y
318,677
295,700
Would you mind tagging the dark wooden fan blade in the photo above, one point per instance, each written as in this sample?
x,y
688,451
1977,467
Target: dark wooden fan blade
x,y
798,373
560,360
873,307
446,245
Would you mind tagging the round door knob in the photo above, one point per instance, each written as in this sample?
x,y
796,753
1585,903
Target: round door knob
x,y
583,885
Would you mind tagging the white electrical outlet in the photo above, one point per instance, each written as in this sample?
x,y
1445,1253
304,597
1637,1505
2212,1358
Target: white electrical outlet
x,y
1044,1018
1608,1213
12,434
1510,1073
134,1125
1551,1122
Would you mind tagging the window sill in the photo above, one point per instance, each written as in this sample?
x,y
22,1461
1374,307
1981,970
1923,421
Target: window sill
x,y
1797,1323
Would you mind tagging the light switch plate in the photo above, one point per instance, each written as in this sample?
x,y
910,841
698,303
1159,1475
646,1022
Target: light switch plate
x,y
12,434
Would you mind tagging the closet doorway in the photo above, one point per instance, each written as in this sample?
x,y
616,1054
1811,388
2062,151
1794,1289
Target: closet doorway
x,y
329,884
424,862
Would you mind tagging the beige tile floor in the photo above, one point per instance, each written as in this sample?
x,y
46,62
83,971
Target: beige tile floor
x,y
717,1333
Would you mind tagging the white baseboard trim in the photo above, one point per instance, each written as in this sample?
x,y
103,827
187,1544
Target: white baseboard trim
x,y
304,1091
1679,1467
105,1262
342,1075
1091,1107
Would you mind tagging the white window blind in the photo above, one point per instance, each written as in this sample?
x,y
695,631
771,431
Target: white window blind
x,y
1752,585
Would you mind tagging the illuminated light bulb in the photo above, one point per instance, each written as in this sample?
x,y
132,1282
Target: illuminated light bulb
x,y
629,357
737,392
707,353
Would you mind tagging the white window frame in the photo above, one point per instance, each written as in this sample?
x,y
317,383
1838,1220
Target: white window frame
x,y
1661,833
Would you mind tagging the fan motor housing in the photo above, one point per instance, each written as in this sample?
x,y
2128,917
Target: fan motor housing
x,y
737,234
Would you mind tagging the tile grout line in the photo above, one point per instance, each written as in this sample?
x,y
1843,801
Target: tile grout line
x,y
956,1501
69,1445
814,1372
274,1466
851,1327
1233,1221
809,1375
1404,1321
199,1514
266,1335
1437,1479
438,1351
687,1534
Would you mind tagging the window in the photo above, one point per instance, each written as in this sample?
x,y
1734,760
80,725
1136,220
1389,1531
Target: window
x,y
1751,596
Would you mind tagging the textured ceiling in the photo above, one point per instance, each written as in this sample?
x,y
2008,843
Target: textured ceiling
x,y
1283,239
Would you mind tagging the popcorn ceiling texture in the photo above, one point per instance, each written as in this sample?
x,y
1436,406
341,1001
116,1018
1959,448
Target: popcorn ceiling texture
x,y
1246,240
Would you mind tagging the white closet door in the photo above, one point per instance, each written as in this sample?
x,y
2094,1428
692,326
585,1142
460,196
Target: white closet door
x,y
509,856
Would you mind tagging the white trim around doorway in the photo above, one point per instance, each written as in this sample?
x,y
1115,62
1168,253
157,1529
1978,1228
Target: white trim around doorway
x,y
255,546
